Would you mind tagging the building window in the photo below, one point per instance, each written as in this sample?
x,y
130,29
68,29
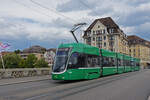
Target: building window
x,y
97,31
111,37
111,43
88,32
104,31
104,37
104,44
89,39
100,45
98,26
93,39
134,50
93,32
99,38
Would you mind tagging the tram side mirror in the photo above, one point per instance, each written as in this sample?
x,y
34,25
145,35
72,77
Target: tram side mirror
x,y
70,63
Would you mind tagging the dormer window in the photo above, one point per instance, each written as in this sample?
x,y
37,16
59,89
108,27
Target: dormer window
x,y
88,32
111,30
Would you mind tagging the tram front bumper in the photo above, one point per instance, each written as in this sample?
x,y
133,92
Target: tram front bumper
x,y
59,76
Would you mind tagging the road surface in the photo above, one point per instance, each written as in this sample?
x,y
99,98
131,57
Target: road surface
x,y
127,86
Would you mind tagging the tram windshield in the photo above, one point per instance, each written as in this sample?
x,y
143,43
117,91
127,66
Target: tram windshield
x,y
61,59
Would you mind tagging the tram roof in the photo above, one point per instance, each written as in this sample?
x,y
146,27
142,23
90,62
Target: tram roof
x,y
80,47
120,55
108,53
137,59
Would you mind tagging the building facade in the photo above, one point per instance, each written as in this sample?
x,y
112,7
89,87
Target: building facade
x,y
140,48
37,55
105,33
49,56
38,51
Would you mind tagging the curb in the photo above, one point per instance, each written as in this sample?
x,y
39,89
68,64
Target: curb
x,y
25,81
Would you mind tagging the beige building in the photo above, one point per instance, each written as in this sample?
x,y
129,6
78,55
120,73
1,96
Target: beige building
x,y
105,33
25,55
49,56
38,51
140,48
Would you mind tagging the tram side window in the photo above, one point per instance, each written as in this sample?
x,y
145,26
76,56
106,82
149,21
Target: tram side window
x,y
128,63
93,61
137,64
77,60
132,63
120,62
105,62
109,62
113,60
125,63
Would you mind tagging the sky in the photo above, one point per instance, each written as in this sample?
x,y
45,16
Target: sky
x,y
47,23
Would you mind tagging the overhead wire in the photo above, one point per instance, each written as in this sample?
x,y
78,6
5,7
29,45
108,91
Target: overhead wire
x,y
83,3
87,6
53,10
31,8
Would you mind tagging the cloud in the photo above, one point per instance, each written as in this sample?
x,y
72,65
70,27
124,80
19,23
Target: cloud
x,y
31,29
72,5
26,21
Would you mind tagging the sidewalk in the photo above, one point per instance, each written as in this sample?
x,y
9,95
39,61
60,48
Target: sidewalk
x,y
23,80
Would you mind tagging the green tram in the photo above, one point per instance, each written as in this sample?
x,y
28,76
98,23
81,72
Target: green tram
x,y
77,61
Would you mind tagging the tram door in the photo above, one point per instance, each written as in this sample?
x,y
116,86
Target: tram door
x,y
75,66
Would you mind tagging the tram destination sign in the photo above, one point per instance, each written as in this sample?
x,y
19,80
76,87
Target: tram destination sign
x,y
63,49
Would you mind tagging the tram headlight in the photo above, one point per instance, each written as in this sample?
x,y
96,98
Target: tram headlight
x,y
70,72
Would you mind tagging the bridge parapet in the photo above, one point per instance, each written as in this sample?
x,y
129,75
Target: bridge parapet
x,y
24,72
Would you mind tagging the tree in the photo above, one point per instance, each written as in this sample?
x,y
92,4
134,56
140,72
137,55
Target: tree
x,y
17,51
11,60
30,61
22,63
41,63
1,66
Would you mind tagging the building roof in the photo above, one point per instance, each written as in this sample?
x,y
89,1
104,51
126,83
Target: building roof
x,y
133,39
107,21
35,49
6,52
52,49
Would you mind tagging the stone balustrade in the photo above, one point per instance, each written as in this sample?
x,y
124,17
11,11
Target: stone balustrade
x,y
24,72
